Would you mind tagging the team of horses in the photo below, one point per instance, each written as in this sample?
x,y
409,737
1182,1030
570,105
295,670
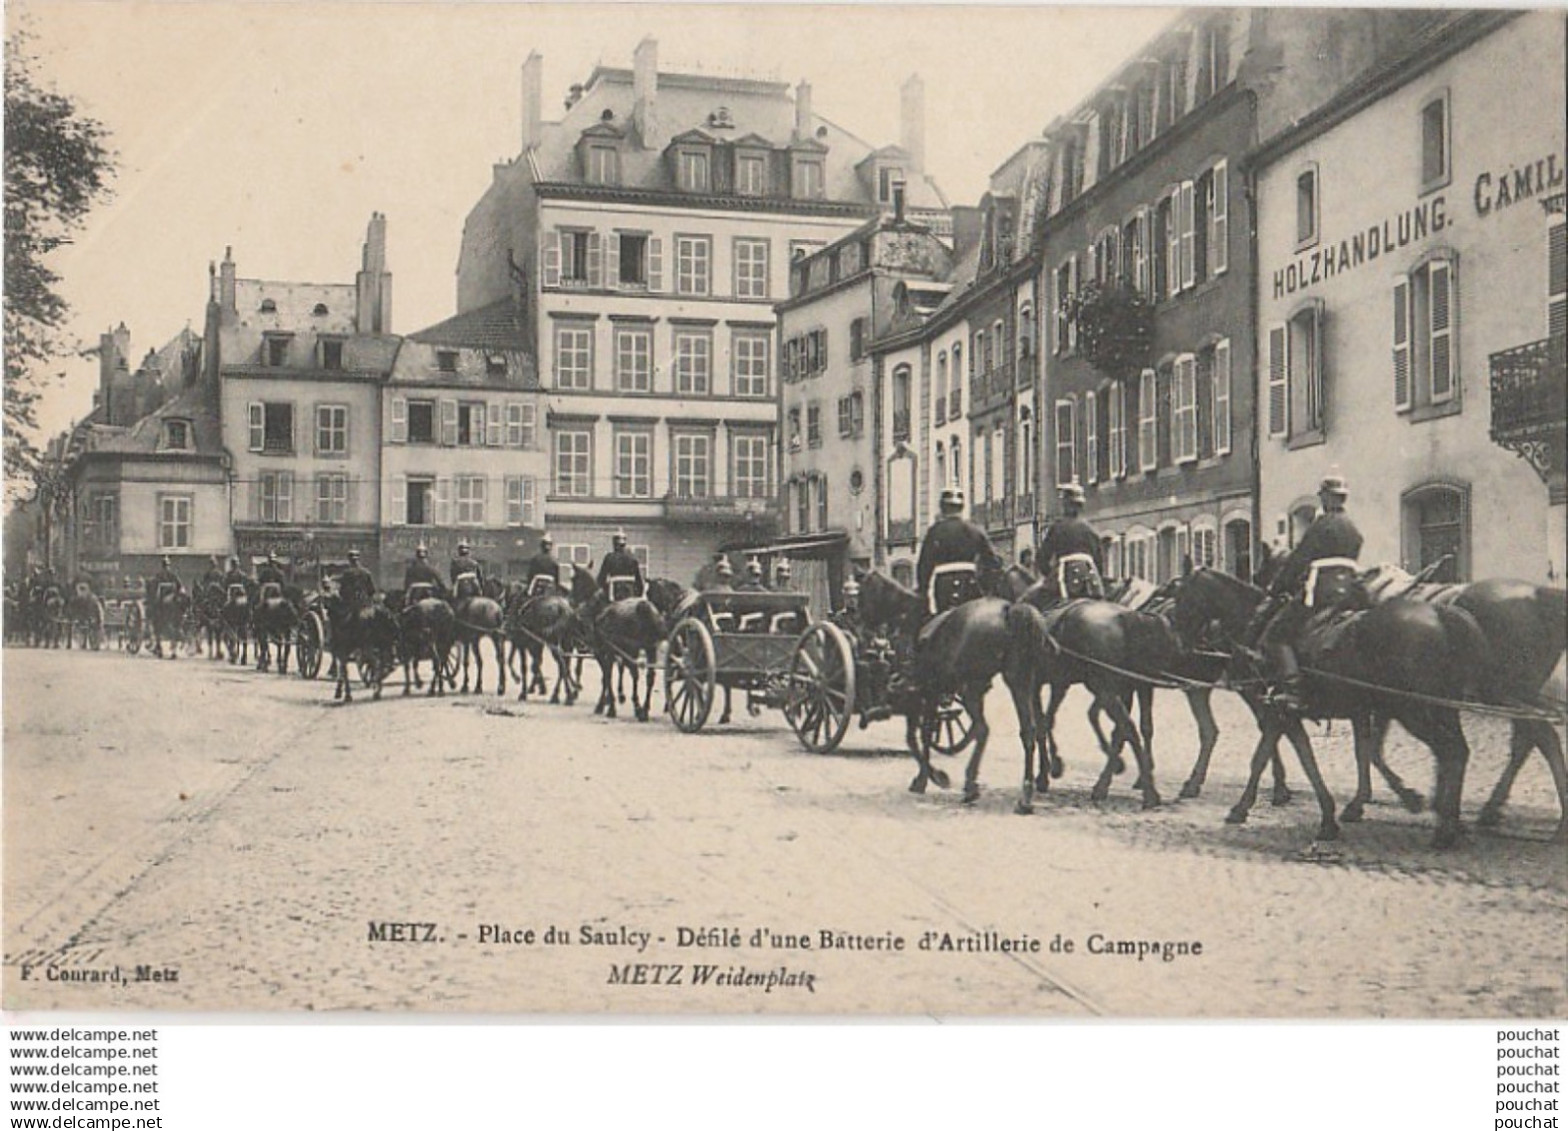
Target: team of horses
x,y
1398,651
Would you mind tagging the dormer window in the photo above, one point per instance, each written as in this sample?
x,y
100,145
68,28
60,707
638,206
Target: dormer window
x,y
275,350
446,361
751,174
604,165
320,310
176,436
331,353
495,365
807,180
720,119
268,306
692,170
887,177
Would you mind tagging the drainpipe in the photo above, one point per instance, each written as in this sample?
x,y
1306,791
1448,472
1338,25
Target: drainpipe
x,y
1254,310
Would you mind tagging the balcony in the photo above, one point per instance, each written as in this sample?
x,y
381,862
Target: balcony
x,y
724,510
1530,404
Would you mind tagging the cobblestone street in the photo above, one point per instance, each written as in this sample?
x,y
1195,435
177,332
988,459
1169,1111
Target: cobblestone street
x,y
244,846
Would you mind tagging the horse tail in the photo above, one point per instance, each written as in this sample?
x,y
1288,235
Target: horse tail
x,y
1469,658
1030,638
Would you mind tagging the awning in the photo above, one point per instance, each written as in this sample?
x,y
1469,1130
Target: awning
x,y
824,545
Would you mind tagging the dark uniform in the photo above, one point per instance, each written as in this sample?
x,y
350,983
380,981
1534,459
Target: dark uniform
x,y
620,564
213,576
953,538
235,576
708,576
753,583
1067,536
544,564
357,585
165,577
270,572
421,572
1292,604
466,563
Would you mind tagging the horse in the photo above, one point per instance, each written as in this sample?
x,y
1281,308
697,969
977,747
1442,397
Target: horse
x,y
546,621
427,626
234,623
1526,628
47,609
1403,660
477,616
85,611
367,636
961,651
625,634
210,599
167,607
273,620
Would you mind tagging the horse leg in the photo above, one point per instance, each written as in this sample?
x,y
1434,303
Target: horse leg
x,y
1531,734
607,683
974,700
1368,731
1198,701
917,747
522,650
285,645
1411,799
1058,693
1022,692
1328,827
1441,731
500,661
1117,708
724,718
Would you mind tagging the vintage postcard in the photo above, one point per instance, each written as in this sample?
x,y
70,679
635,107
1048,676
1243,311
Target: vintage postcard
x,y
541,509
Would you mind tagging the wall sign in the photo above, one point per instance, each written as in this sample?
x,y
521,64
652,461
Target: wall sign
x,y
1325,262
1511,185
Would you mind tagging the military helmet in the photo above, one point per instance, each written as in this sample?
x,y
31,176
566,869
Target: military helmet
x,y
952,497
1334,484
618,538
784,568
724,568
167,560
546,542
421,551
1071,492
353,555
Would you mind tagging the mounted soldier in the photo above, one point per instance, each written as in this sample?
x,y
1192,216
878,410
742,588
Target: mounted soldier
x,y
421,572
1319,573
464,563
165,580
620,574
270,572
356,584
544,565
1070,552
235,575
214,575
952,556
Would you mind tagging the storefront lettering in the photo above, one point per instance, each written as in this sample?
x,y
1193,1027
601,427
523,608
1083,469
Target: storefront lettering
x,y
1325,262
1511,185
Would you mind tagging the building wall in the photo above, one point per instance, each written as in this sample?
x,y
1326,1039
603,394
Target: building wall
x,y
1370,177
1176,496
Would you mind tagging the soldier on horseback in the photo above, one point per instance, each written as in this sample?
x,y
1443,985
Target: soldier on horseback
x,y
356,584
465,562
214,575
421,572
235,576
1317,575
620,574
952,555
1070,552
544,564
271,571
165,580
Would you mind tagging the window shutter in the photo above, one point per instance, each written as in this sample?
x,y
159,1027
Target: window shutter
x,y
400,420
1557,279
316,416
530,426
1189,220
655,263
1402,398
1113,422
1173,247
1186,439
443,515
595,259
493,424
1222,398
1064,442
256,415
514,500
1279,374
550,259
448,422
1442,352
1148,450
612,260
1219,221
528,501
514,425
399,515
1091,428
1073,284
285,496
1146,253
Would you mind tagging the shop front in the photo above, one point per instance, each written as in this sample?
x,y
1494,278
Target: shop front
x,y
304,550
504,551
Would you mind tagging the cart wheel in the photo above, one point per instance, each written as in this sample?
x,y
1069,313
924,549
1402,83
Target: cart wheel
x,y
307,647
131,641
821,694
949,729
689,675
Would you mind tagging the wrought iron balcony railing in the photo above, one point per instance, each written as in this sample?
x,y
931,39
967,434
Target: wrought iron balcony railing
x,y
1530,402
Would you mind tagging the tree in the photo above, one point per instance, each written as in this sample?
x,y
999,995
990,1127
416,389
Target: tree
x,y
58,164
1115,327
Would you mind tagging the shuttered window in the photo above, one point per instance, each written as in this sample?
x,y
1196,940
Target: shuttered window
x,y
1219,220
1557,279
1425,319
1186,415
1091,429
1221,371
1402,391
1279,370
1065,471
1148,420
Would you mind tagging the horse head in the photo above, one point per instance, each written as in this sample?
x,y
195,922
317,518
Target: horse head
x,y
666,595
883,601
1209,598
582,586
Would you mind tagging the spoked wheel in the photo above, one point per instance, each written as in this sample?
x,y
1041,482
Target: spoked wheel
x,y
821,694
950,728
131,641
307,646
451,662
690,675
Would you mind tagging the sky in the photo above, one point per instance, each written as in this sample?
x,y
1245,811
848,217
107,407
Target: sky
x,y
278,128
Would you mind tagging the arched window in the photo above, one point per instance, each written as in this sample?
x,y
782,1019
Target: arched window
x,y
901,403
1238,547
268,306
320,309
1435,528
955,392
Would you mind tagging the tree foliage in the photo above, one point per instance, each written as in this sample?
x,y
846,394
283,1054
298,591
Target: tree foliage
x,y
1115,327
58,164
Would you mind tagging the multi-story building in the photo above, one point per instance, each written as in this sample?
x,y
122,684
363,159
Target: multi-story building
x,y
833,395
1150,280
655,223
1412,292
144,484
464,455
301,367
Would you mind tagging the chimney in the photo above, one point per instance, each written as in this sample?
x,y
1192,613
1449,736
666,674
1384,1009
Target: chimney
x,y
226,294
107,353
533,100
373,286
803,118
645,93
912,120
